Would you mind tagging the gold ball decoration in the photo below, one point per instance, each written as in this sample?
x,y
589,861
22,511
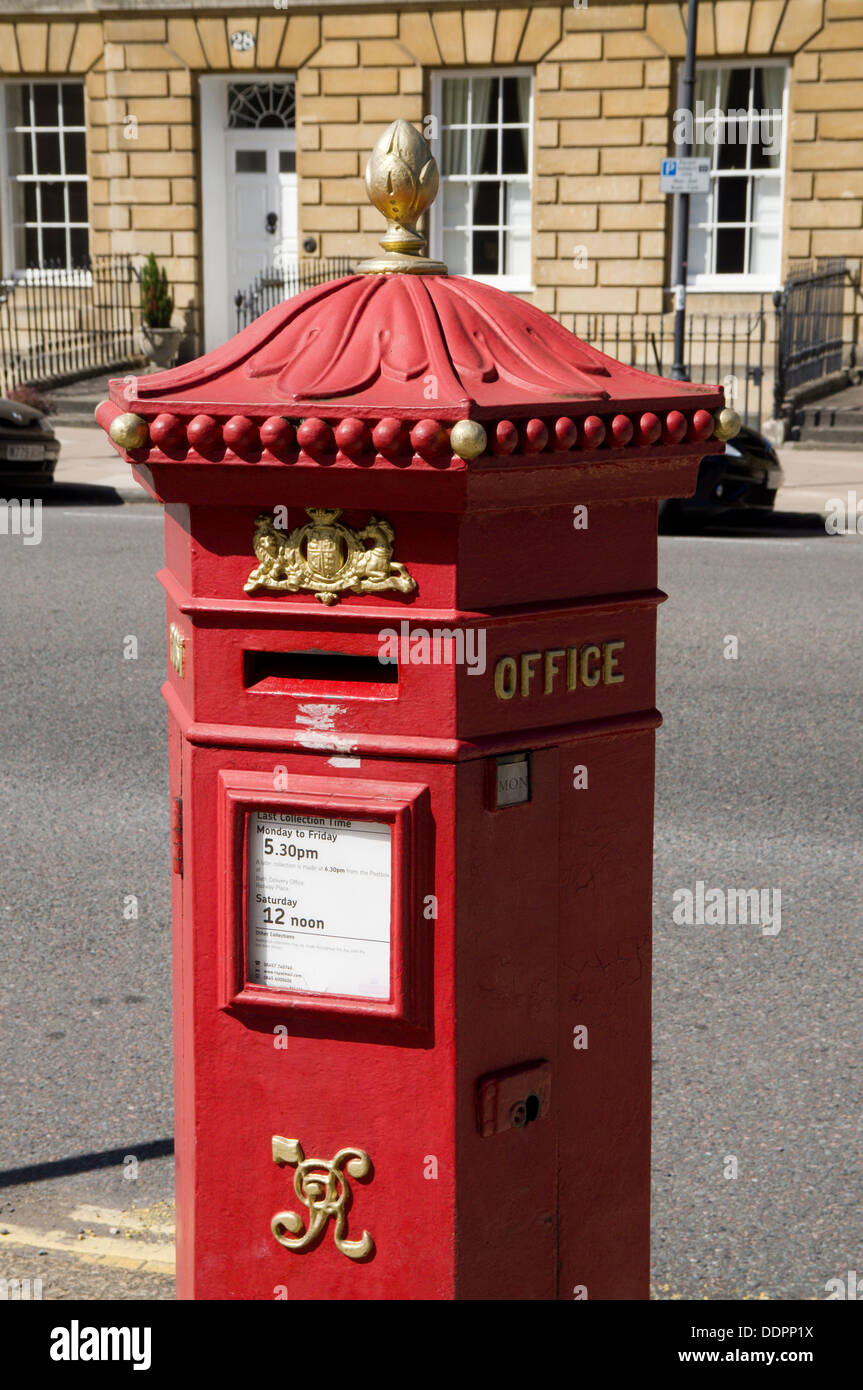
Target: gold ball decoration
x,y
468,439
129,431
727,424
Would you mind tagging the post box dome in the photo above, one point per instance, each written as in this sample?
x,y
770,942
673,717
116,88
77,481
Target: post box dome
x,y
444,344
402,350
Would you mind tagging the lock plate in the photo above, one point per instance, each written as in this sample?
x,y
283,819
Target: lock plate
x,y
514,1098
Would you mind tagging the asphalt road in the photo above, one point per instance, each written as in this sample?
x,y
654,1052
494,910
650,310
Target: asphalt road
x,y
757,1040
757,1037
85,1066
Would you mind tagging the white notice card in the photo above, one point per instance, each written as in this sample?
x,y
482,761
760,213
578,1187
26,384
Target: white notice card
x,y
319,904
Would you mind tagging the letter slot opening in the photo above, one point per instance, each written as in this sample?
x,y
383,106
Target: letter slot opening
x,y
341,673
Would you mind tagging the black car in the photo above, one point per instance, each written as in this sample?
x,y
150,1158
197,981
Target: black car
x,y
29,449
746,475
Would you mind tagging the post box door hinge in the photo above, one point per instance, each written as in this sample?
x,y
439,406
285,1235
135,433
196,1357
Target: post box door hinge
x,y
177,835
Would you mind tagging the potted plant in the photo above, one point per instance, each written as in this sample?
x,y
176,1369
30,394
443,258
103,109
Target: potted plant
x,y
159,340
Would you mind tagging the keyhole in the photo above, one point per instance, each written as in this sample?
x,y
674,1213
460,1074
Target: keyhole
x,y
272,222
525,1111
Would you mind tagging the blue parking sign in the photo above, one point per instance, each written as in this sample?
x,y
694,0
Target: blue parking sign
x,y
684,175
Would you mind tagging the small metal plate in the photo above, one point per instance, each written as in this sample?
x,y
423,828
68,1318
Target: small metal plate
x,y
511,780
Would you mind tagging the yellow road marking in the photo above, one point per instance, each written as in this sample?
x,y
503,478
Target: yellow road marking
x,y
134,1219
155,1257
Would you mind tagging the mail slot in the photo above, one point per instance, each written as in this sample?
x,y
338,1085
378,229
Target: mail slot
x,y
298,670
411,684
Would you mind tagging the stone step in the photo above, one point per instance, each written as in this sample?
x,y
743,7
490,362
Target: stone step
x,y
75,401
832,439
79,410
827,416
69,421
831,427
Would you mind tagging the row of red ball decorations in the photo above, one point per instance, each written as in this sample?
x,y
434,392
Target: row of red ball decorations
x,y
590,431
391,437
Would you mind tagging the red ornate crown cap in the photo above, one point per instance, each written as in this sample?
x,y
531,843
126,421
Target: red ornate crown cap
x,y
404,337
388,342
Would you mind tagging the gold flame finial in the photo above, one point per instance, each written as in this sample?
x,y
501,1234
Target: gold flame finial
x,y
402,181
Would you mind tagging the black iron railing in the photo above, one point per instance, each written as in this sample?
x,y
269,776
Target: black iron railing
x,y
810,323
733,349
58,322
284,281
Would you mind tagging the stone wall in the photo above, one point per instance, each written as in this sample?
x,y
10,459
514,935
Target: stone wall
x,y
603,100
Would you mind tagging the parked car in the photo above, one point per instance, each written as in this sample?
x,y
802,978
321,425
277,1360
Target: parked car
x,y
28,446
746,475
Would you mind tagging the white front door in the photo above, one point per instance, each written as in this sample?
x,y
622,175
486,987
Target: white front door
x,y
249,190
261,182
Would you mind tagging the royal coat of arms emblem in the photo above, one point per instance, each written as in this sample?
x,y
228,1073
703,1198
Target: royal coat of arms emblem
x,y
326,557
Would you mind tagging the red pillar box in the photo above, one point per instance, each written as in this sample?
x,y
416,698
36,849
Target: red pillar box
x,y
411,598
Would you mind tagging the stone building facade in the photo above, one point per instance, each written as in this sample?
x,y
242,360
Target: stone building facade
x,y
185,131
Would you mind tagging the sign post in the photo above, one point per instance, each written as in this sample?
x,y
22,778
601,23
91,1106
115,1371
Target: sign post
x,y
681,198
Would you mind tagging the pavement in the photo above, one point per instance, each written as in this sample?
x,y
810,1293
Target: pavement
x,y
812,476
88,459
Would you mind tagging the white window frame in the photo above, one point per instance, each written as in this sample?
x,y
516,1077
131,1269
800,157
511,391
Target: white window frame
x,y
746,283
9,181
215,135
517,283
